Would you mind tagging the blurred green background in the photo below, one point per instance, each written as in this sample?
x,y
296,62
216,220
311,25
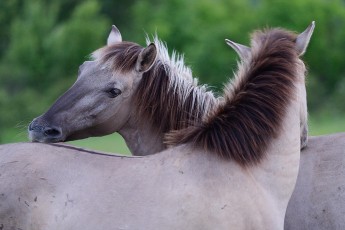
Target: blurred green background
x,y
43,42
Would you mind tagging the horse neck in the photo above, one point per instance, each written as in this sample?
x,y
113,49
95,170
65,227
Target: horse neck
x,y
144,132
179,104
141,139
278,172
258,126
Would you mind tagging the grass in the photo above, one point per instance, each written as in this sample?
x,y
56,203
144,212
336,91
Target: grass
x,y
326,124
114,143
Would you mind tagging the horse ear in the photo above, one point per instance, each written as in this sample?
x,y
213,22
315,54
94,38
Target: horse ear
x,y
303,39
242,50
146,58
114,36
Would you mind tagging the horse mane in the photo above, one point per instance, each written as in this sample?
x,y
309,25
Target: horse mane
x,y
255,104
167,96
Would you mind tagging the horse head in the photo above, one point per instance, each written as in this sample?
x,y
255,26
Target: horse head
x,y
101,94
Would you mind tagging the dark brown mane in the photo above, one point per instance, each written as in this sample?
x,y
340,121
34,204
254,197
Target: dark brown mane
x,y
241,128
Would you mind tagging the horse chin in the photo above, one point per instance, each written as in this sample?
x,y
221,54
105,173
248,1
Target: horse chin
x,y
76,136
81,134
40,138
47,140
93,131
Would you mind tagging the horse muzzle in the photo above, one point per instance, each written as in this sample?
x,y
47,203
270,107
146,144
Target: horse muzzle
x,y
41,132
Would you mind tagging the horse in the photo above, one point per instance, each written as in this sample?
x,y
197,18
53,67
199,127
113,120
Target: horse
x,y
316,202
253,192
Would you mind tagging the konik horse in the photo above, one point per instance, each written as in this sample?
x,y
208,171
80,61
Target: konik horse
x,y
253,186
317,202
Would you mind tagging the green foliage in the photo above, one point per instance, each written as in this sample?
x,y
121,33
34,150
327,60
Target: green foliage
x,y
198,29
325,56
43,55
43,42
113,143
72,41
8,11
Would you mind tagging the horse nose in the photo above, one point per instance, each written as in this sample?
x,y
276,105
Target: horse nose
x,y
53,132
34,126
39,131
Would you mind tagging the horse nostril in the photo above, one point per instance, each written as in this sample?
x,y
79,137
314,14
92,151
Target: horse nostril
x,y
52,132
34,126
31,127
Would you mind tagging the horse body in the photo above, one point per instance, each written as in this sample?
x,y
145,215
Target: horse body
x,y
318,198
51,187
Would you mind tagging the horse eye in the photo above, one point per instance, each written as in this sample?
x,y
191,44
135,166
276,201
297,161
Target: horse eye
x,y
114,92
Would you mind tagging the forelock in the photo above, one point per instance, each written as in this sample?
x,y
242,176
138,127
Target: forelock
x,y
120,57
